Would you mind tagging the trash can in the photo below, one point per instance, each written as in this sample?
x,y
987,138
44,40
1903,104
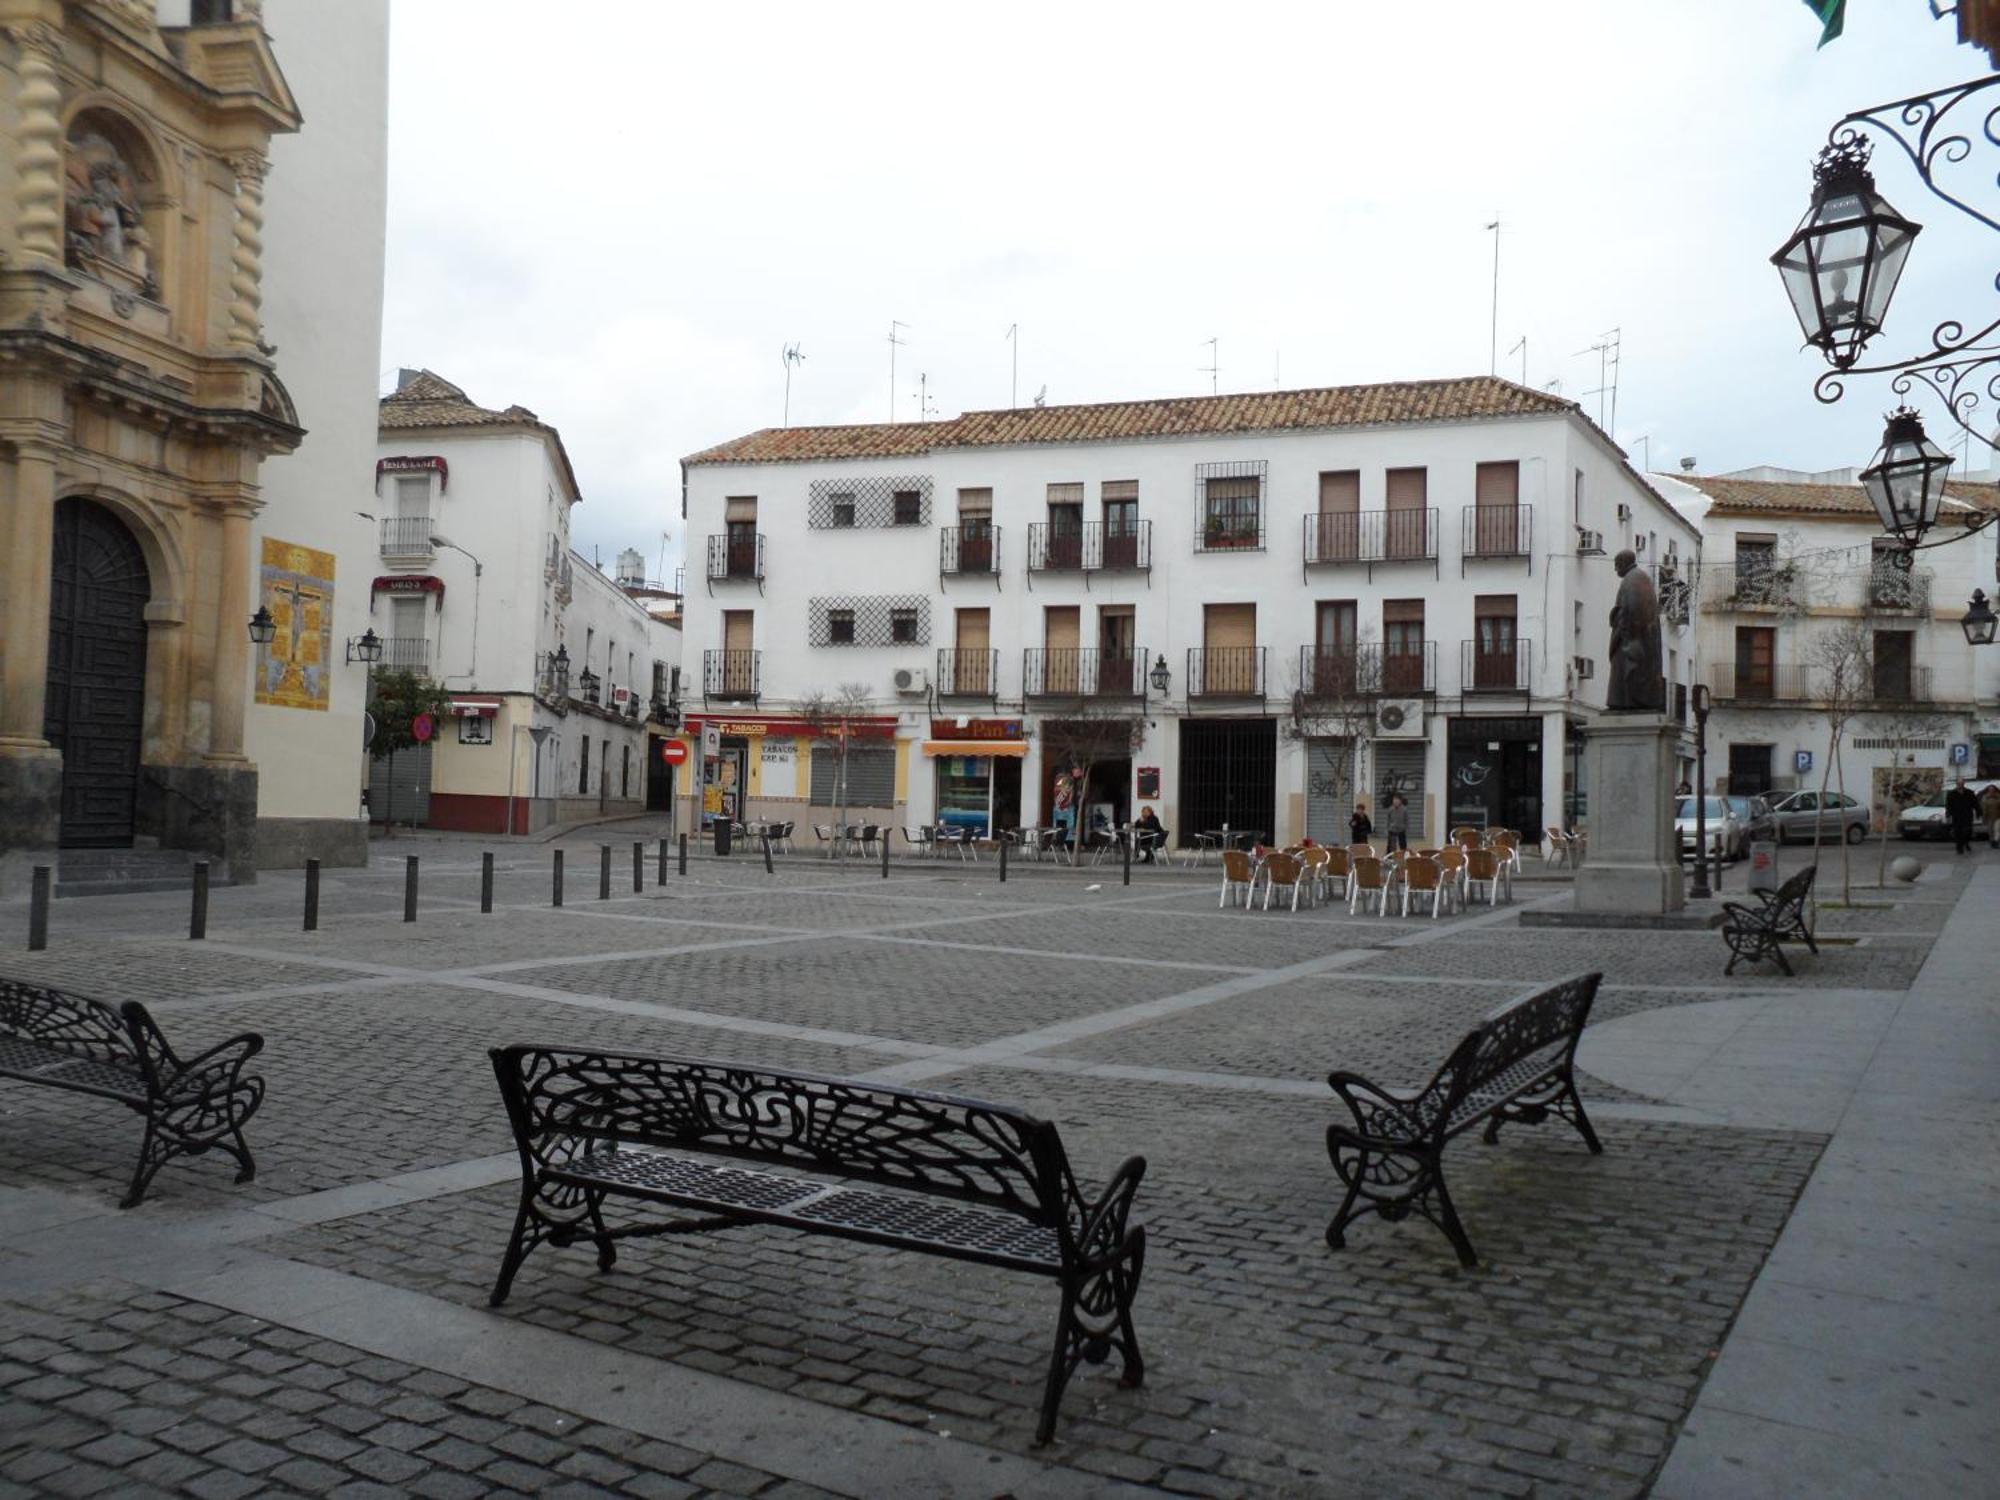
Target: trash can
x,y
722,833
1763,866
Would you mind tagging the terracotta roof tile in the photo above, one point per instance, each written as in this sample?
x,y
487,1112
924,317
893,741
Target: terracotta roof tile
x,y
1467,399
428,400
1819,499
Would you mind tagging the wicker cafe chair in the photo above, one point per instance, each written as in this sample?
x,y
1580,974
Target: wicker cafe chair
x,y
1362,851
1482,867
1238,874
1317,861
1425,878
1452,859
1368,882
1557,851
1339,867
1287,871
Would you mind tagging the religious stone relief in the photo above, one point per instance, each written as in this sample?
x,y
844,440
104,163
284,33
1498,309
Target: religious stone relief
x,y
292,671
105,231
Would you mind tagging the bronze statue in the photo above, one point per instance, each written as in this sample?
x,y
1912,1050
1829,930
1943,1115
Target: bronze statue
x,y
1635,683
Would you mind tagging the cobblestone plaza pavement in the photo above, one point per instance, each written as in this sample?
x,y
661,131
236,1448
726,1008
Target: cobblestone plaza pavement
x,y
324,1330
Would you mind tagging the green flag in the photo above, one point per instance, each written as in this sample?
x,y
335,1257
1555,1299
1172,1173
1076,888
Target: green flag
x,y
1832,16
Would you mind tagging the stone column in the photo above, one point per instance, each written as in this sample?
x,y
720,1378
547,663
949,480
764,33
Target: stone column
x,y
38,192
232,639
1633,866
246,257
29,529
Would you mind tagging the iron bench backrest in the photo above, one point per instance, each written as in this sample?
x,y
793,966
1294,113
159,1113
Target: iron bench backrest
x,y
1542,1028
560,1100
1789,900
123,1037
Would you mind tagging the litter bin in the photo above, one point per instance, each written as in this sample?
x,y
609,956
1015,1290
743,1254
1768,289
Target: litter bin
x,y
722,833
1763,866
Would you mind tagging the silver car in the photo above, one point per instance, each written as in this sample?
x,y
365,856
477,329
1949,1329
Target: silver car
x,y
1836,816
1727,836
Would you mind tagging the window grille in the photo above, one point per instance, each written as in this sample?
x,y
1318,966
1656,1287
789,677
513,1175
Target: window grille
x,y
868,502
869,621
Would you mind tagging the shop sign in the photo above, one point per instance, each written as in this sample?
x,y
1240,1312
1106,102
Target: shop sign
x,y
406,583
1149,783
414,464
862,728
976,729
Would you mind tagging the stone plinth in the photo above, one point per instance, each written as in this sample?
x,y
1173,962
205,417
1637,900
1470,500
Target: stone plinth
x,y
1633,866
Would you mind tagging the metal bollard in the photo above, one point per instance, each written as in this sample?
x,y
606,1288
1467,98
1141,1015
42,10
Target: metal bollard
x,y
767,856
1003,861
38,909
312,896
684,854
638,866
1126,845
661,878
603,872
885,854
198,913
410,888
486,882
558,878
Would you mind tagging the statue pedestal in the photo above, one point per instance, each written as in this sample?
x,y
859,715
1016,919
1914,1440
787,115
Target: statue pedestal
x,y
1633,867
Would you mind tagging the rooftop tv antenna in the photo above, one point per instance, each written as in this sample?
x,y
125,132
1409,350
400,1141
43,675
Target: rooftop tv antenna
x,y
925,410
895,343
1523,347
1213,369
1042,396
791,356
1494,348
1606,350
1014,384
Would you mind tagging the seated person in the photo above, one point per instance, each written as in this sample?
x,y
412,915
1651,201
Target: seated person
x,y
1151,834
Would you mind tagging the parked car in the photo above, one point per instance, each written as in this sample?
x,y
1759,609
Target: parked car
x,y
1760,824
1925,820
1837,817
1726,835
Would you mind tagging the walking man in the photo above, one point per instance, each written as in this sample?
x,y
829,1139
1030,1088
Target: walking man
x,y
1960,808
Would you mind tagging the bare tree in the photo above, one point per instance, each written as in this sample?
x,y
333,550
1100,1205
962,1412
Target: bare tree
x,y
831,720
1900,785
1088,729
1334,698
1844,657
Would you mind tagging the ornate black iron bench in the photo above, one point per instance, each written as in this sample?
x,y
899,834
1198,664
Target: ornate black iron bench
x,y
950,1177
1516,1065
1754,932
64,1041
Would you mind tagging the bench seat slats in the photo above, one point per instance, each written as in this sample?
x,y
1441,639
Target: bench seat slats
x,y
33,1062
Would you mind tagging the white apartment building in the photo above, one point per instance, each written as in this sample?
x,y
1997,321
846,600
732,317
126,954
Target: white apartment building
x,y
552,668
1797,578
1408,582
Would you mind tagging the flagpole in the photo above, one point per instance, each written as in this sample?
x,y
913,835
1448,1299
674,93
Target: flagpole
x,y
1493,344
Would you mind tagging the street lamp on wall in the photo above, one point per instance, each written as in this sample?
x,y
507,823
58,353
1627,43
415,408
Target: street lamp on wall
x,y
1699,890
1162,678
1905,483
1979,622
589,683
366,647
262,626
1842,263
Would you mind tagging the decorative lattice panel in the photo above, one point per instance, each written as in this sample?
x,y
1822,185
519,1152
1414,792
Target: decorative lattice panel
x,y
873,501
874,620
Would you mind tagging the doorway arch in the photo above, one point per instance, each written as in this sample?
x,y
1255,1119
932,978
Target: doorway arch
x,y
96,687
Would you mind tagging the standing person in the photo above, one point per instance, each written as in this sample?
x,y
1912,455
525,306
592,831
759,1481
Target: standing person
x,y
1989,814
1397,822
1359,828
1960,808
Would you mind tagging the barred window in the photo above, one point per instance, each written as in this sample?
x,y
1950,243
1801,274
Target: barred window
x,y
840,626
871,777
843,510
903,626
909,508
869,620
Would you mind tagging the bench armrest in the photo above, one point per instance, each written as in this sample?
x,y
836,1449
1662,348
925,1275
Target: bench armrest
x,y
1737,912
1379,1113
215,1071
1101,1236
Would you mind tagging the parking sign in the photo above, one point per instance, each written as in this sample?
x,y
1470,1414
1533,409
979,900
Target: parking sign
x,y
1960,754
1802,761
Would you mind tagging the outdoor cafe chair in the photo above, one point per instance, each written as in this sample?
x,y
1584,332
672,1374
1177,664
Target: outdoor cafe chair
x,y
1557,850
1339,865
1425,878
1238,875
827,837
1197,853
1452,858
1283,871
1482,868
1368,883
920,839
1468,839
1316,860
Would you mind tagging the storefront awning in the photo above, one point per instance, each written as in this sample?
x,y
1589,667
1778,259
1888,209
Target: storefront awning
x,y
1014,748
474,705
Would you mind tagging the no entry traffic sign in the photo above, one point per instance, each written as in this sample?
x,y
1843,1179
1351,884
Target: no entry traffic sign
x,y
674,752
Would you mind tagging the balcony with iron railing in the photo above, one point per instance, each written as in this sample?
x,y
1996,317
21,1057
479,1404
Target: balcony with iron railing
x,y
1371,536
968,672
1331,673
732,676
1504,666
970,549
1497,531
1795,585
737,556
1055,547
407,538
1892,684
1223,531
1225,672
405,653
1083,672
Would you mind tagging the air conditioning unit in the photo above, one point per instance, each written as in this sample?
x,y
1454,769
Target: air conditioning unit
x,y
1399,719
1585,669
912,682
1624,512
1589,543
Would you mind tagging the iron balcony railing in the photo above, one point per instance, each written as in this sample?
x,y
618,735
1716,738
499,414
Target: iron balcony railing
x,y
406,653
1055,547
1498,530
969,548
1371,536
1331,673
1083,672
968,672
1504,666
1118,546
1789,584
406,536
1225,672
732,676
1889,682
736,555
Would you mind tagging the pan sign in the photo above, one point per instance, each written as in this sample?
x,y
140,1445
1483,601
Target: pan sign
x,y
422,727
674,752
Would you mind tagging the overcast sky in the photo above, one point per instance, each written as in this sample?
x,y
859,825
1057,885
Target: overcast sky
x,y
621,222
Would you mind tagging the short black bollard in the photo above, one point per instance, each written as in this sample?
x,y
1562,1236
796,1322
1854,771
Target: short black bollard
x,y
558,878
1003,861
684,854
661,878
410,888
1126,845
312,896
767,856
638,866
603,872
198,913
885,854
486,882
38,909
